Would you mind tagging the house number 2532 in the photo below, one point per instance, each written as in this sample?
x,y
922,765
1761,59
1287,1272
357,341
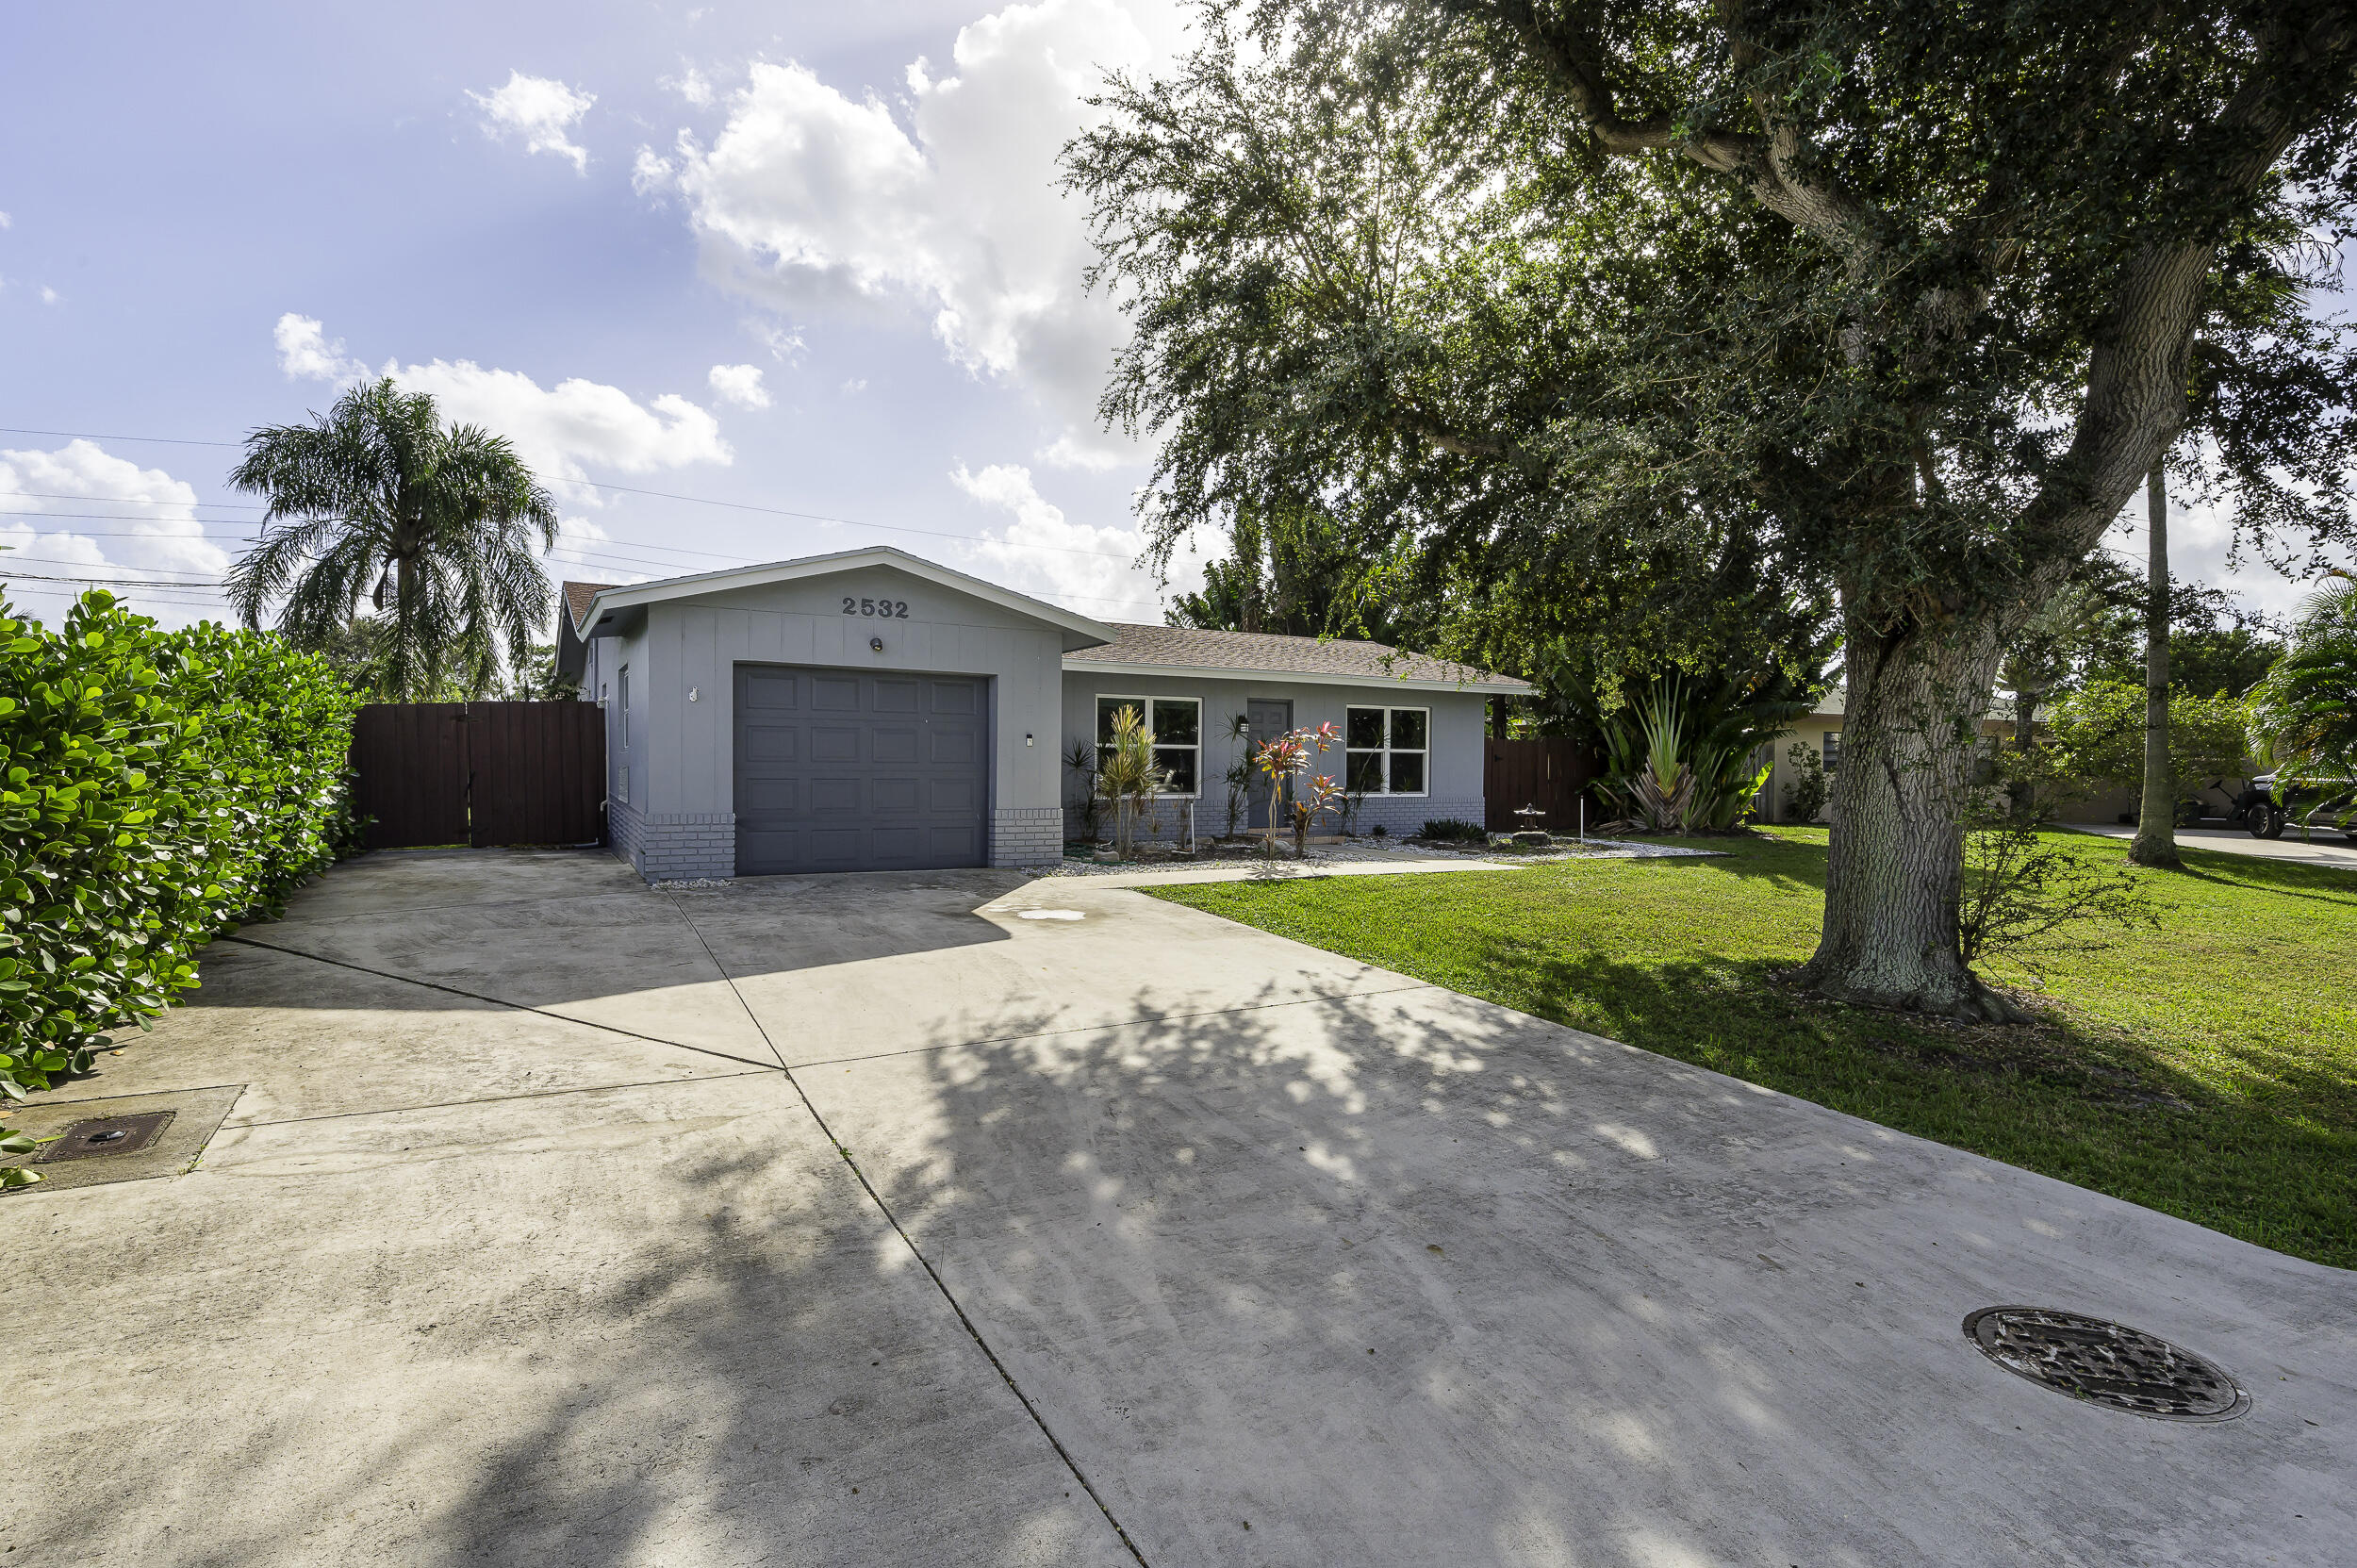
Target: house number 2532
x,y
890,609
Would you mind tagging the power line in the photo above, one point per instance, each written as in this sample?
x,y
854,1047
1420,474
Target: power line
x,y
87,435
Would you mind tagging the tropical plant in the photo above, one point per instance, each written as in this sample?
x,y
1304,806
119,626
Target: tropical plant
x,y
2303,712
1453,830
1295,797
1128,776
1708,298
155,787
1679,758
376,499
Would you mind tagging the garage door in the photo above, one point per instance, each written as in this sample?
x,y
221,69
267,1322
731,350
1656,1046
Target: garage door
x,y
849,770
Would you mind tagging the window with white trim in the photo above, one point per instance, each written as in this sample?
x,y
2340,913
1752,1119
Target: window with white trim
x,y
1386,750
1176,724
621,773
1833,750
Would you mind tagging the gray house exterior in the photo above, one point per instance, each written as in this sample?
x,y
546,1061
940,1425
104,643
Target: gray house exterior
x,y
874,711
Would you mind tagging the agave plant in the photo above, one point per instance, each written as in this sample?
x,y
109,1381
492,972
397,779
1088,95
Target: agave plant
x,y
1651,771
1680,760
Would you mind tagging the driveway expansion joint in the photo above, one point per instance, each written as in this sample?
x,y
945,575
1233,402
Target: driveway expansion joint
x,y
511,1006
924,1262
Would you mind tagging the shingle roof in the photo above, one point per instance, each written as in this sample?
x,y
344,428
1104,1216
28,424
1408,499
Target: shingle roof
x,y
577,597
1188,648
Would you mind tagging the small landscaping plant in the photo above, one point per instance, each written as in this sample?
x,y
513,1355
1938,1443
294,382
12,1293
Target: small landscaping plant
x,y
1806,795
156,788
1453,830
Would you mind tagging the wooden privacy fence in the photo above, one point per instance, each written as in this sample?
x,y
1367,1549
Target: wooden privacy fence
x,y
480,773
1547,771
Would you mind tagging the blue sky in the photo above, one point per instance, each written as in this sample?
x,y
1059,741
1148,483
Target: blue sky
x,y
802,258
216,215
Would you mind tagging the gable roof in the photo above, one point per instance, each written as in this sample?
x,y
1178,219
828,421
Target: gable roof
x,y
602,603
1331,661
577,597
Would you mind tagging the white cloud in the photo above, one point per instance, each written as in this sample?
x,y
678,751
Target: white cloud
x,y
48,295
693,86
540,109
306,355
739,384
854,386
6,222
158,535
557,429
1041,553
807,197
2200,535
651,171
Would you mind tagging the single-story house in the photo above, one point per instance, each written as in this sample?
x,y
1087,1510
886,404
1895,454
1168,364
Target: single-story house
x,y
1821,732
874,711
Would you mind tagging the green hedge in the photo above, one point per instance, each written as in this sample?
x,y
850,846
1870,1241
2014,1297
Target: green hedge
x,y
155,788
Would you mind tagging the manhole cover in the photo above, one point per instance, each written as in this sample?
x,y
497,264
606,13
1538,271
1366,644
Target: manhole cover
x,y
2107,1363
107,1135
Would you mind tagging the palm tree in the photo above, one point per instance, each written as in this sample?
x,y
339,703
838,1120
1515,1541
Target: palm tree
x,y
2305,709
433,526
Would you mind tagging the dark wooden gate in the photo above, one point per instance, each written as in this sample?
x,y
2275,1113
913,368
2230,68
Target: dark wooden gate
x,y
1551,772
480,773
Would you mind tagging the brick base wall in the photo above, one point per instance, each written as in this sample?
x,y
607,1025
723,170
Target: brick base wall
x,y
1027,835
675,848
1398,814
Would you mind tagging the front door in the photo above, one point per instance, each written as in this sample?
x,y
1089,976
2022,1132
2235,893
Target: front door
x,y
1270,718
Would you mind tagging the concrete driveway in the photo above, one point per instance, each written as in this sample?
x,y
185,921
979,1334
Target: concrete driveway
x,y
531,1238
2318,847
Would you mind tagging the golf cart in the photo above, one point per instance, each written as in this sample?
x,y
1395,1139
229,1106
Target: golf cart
x,y
2265,811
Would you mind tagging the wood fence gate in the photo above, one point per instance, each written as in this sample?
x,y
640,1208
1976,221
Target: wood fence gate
x,y
1551,772
480,773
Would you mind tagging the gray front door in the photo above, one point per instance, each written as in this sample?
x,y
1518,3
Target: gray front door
x,y
1270,718
858,771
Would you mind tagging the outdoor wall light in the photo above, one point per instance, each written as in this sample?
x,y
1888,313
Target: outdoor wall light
x,y
1027,741
876,643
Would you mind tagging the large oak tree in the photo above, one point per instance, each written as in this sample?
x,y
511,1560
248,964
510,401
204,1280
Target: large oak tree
x,y
1894,299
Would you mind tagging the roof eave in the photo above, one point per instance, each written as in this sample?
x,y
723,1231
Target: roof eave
x,y
637,596
1495,686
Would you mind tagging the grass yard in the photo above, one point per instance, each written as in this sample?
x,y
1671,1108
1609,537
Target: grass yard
x,y
2208,1068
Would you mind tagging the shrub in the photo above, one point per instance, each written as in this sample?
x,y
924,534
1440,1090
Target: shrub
x,y
154,788
1806,796
1450,828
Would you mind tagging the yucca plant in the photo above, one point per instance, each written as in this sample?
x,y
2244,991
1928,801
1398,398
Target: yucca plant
x,y
1680,758
1127,777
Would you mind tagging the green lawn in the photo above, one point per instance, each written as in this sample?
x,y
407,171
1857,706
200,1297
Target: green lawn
x,y
2208,1068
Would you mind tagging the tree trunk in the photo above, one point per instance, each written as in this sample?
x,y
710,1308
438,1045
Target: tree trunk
x,y
1895,866
2156,818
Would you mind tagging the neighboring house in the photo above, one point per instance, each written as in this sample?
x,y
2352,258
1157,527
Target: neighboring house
x,y
873,710
1820,731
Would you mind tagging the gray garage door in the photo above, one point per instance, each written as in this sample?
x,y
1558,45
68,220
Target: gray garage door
x,y
849,770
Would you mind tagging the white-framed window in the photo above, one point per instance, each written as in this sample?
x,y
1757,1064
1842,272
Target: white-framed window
x,y
621,770
1386,750
1177,726
1833,750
